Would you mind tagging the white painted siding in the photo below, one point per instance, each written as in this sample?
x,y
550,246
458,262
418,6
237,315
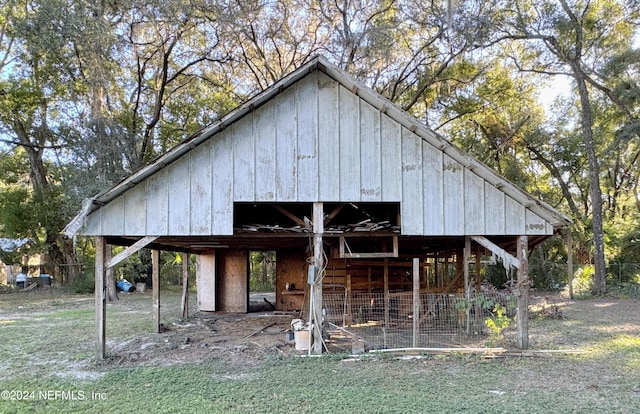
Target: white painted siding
x,y
328,139
474,203
113,217
412,197
179,197
453,190
222,176
370,161
315,141
391,159
494,205
201,194
158,204
432,179
135,207
244,162
306,102
286,148
265,140
349,156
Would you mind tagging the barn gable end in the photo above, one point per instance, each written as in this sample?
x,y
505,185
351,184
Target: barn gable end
x,y
321,140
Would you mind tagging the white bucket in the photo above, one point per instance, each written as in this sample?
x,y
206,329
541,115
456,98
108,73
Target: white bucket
x,y
301,339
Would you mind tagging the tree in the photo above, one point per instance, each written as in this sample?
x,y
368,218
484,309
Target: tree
x,y
571,39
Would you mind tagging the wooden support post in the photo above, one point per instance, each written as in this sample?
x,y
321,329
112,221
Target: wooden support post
x,y
522,292
478,269
110,282
569,236
100,297
318,262
387,300
466,255
416,299
155,277
347,286
478,313
185,286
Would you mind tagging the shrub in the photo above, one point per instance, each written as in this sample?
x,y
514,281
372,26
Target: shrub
x,y
85,283
583,282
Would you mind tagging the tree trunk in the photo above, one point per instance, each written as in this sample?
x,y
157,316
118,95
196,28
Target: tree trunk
x,y
599,278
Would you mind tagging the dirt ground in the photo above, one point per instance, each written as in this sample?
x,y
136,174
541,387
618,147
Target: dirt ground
x,y
244,340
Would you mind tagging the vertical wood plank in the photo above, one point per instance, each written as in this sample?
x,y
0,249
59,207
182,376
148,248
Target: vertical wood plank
x,y
349,146
113,217
286,146
179,196
412,189
244,162
454,198
534,224
306,101
100,298
206,282
135,210
514,213
370,155
474,208
200,190
328,139
432,179
522,292
158,204
222,178
265,141
391,155
93,224
495,204
155,281
416,300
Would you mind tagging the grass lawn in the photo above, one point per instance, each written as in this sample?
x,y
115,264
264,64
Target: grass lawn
x,y
47,366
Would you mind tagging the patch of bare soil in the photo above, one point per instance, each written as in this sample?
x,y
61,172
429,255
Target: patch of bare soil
x,y
239,339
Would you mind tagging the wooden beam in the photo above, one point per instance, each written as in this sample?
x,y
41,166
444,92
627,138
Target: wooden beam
x,y
466,254
100,298
291,216
522,293
333,214
140,244
318,262
507,258
344,254
416,299
155,277
110,282
387,301
185,286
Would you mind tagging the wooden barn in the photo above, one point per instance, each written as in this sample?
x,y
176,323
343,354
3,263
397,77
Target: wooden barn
x,y
353,194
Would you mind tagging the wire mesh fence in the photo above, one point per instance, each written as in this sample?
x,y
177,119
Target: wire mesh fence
x,y
438,320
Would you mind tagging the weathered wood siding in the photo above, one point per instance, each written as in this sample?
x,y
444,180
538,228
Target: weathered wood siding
x,y
315,141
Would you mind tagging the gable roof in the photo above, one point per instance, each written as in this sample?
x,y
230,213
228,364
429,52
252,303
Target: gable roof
x,y
410,126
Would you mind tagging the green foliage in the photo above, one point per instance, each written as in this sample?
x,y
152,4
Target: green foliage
x,y
262,271
84,284
583,282
497,322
